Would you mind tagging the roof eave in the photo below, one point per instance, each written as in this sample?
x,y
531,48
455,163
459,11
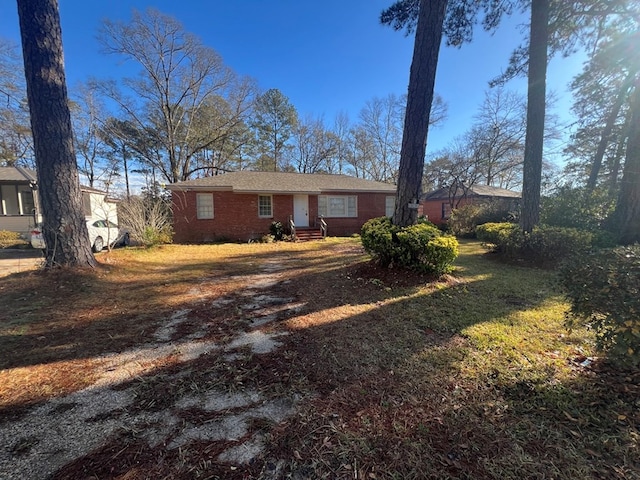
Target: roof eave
x,y
206,188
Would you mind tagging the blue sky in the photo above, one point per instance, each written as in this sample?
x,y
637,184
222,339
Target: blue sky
x,y
327,56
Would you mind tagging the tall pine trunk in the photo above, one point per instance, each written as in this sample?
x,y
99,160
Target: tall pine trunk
x,y
627,213
536,106
422,78
64,228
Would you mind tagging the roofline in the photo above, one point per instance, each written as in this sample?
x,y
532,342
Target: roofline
x,y
201,188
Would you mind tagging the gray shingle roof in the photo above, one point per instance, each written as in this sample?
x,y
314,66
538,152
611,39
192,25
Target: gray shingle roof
x,y
17,174
280,182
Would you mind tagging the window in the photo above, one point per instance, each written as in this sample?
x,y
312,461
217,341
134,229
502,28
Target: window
x,y
25,196
10,200
446,210
16,200
389,206
86,204
337,206
204,205
265,208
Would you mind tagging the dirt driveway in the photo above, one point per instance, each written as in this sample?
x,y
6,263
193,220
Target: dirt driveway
x,y
19,260
42,440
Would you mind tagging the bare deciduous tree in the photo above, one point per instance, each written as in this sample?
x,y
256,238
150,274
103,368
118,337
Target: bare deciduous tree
x,y
16,145
180,81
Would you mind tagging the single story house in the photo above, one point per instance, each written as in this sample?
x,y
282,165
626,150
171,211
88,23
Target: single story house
x,y
18,199
438,204
20,204
241,206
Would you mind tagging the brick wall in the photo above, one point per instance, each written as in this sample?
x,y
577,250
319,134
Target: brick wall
x,y
370,205
236,216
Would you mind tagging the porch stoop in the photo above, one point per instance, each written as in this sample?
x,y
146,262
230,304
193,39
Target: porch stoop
x,y
308,234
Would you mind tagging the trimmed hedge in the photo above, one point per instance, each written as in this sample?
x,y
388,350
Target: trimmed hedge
x,y
604,291
422,247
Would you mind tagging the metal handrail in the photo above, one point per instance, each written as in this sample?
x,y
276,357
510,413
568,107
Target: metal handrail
x,y
292,227
323,227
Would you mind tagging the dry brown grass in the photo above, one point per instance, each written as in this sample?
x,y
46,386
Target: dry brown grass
x,y
472,376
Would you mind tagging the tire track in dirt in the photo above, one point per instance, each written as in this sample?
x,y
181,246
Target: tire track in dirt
x,y
65,429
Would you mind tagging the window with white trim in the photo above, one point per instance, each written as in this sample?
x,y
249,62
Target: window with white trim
x,y
389,206
265,206
204,205
338,206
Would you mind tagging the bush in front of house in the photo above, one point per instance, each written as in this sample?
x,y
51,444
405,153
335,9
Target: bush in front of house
x,y
422,247
277,230
152,236
465,219
604,291
545,245
9,239
147,219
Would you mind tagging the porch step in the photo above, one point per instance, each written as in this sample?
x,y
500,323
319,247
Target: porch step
x,y
308,234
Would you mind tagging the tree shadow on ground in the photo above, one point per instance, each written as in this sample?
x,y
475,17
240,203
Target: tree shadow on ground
x,y
377,355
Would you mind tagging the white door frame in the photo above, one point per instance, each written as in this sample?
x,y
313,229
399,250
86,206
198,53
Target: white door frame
x,y
301,210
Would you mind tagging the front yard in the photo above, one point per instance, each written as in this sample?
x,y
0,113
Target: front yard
x,y
303,361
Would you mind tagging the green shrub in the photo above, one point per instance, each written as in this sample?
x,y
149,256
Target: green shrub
x,y
277,230
604,291
8,239
465,219
377,239
544,245
462,222
553,244
577,208
154,236
503,237
420,247
440,254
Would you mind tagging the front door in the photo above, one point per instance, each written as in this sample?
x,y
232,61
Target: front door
x,y
301,210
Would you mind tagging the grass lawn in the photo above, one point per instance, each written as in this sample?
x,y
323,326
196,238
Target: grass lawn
x,y
472,376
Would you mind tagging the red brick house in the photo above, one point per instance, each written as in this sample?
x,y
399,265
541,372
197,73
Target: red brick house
x,y
240,206
438,204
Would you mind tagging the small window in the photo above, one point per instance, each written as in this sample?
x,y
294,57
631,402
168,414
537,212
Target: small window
x,y
337,206
389,206
265,206
204,205
446,210
86,204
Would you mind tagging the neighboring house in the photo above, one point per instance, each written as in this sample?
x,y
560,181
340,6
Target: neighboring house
x,y
241,206
438,204
20,204
18,199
